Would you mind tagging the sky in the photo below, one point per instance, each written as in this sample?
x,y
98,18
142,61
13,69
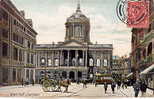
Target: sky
x,y
49,17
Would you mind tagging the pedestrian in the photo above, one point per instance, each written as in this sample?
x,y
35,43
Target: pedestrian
x,y
33,82
105,86
143,88
123,84
84,84
22,82
119,84
113,85
136,87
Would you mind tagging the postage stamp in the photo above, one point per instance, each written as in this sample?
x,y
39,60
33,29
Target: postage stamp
x,y
134,13
138,14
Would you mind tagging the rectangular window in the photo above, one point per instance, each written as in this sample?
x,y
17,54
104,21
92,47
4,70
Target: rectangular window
x,y
22,40
20,55
15,53
15,22
5,75
14,74
28,44
32,60
5,33
5,49
15,37
28,61
4,15
105,62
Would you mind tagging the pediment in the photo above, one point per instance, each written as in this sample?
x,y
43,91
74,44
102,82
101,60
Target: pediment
x,y
72,44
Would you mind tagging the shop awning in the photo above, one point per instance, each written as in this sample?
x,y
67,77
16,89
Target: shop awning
x,y
130,74
147,70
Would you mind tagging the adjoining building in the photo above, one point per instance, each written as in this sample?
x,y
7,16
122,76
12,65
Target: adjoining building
x,y
17,40
121,67
76,58
143,51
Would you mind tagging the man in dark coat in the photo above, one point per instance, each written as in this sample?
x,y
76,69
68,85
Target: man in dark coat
x,y
143,88
136,87
105,86
113,85
119,84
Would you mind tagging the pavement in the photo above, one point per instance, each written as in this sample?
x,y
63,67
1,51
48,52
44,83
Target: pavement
x,y
74,90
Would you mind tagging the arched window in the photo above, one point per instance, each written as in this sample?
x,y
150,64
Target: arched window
x,y
64,74
98,62
105,62
49,62
71,75
79,74
56,62
91,62
73,61
81,62
43,61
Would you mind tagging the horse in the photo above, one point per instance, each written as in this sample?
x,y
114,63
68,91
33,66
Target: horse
x,y
65,84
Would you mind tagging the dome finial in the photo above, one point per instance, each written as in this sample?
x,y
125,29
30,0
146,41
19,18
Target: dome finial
x,y
78,6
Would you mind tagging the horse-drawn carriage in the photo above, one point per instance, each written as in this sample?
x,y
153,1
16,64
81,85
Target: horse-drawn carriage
x,y
49,85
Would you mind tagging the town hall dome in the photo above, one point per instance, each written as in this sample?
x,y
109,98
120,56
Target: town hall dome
x,y
78,27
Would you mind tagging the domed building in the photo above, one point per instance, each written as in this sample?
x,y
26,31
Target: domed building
x,y
76,58
78,27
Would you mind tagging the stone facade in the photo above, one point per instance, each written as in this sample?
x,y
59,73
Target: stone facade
x,y
76,58
121,66
17,40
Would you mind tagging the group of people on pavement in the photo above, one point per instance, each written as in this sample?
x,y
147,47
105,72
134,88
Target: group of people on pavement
x,y
140,85
113,85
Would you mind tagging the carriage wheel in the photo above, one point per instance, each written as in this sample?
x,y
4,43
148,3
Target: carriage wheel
x,y
54,86
46,86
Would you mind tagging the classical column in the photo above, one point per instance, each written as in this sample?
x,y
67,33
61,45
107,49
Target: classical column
x,y
25,73
53,61
52,58
61,57
67,74
76,58
101,64
10,74
68,57
16,75
86,58
108,60
73,31
34,75
29,71
75,75
83,52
